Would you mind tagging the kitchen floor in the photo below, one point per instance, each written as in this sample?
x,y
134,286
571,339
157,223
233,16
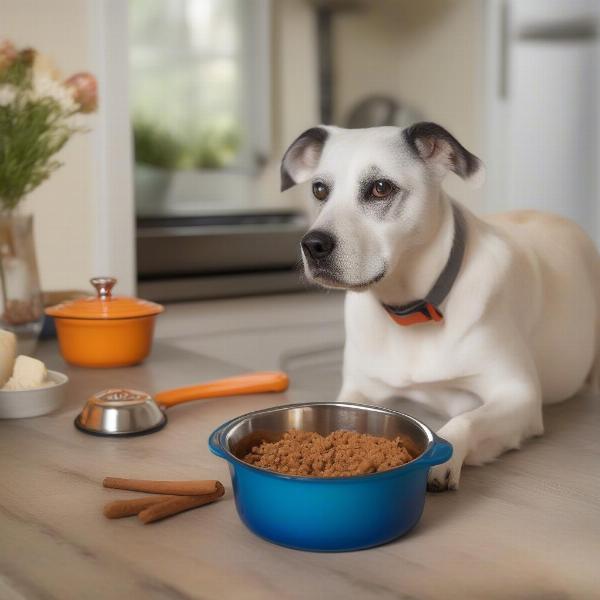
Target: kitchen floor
x,y
526,526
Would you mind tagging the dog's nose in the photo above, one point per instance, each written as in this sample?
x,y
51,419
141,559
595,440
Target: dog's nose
x,y
318,244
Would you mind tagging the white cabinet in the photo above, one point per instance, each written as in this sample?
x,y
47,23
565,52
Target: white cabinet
x,y
543,108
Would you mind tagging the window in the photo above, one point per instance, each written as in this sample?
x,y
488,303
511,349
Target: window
x,y
199,102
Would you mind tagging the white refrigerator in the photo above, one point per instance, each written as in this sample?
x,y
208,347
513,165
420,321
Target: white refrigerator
x,y
542,114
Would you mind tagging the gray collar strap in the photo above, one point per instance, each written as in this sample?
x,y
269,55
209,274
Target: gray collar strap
x,y
428,309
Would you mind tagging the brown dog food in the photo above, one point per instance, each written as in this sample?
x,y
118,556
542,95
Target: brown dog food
x,y
339,454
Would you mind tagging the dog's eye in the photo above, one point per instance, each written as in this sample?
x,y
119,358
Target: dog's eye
x,y
382,188
320,190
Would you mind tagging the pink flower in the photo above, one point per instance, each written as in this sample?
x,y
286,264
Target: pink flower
x,y
8,53
85,91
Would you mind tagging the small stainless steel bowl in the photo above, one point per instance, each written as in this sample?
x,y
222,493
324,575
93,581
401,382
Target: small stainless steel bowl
x,y
121,412
329,514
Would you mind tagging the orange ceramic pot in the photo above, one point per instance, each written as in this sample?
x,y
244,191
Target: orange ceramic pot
x,y
105,330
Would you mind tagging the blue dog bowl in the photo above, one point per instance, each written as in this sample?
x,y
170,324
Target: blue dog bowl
x,y
329,514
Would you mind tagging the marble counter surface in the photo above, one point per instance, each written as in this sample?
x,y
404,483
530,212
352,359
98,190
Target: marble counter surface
x,y
527,526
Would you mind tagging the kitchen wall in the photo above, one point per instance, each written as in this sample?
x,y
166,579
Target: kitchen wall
x,y
62,205
84,212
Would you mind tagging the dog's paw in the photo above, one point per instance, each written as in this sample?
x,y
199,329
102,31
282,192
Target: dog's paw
x,y
443,477
446,476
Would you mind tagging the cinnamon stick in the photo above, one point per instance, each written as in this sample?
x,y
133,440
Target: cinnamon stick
x,y
132,506
168,508
176,488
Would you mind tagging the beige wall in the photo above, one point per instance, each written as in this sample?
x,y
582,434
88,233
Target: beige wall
x,y
62,205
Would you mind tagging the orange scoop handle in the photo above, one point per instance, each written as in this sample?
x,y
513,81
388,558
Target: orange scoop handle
x,y
252,383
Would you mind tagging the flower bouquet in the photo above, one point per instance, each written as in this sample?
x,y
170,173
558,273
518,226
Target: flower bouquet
x,y
39,112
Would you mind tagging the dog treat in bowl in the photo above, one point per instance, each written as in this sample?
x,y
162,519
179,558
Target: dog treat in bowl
x,y
339,454
28,374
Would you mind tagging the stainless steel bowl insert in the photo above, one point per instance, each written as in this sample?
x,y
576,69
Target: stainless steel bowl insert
x,y
324,418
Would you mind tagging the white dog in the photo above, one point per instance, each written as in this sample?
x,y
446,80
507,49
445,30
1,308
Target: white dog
x,y
482,319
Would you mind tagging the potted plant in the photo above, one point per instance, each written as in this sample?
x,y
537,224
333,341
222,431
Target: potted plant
x,y
156,153
39,112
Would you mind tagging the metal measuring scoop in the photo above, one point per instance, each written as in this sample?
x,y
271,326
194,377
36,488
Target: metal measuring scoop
x,y
123,412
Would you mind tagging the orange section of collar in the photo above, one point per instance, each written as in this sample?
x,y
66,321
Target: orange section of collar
x,y
421,313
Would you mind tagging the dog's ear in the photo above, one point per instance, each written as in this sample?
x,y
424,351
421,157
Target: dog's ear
x,y
302,157
443,152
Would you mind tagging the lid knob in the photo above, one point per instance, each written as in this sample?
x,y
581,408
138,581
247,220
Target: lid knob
x,y
104,286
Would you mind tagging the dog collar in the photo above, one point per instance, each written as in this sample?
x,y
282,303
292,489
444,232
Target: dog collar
x,y
427,309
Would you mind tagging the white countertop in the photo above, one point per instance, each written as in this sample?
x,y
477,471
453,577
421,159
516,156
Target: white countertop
x,y
527,526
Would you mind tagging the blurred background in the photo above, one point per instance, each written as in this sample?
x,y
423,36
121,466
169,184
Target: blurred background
x,y
176,188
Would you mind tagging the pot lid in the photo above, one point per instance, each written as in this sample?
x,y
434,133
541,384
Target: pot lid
x,y
104,305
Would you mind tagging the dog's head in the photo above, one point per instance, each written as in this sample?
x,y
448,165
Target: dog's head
x,y
376,193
